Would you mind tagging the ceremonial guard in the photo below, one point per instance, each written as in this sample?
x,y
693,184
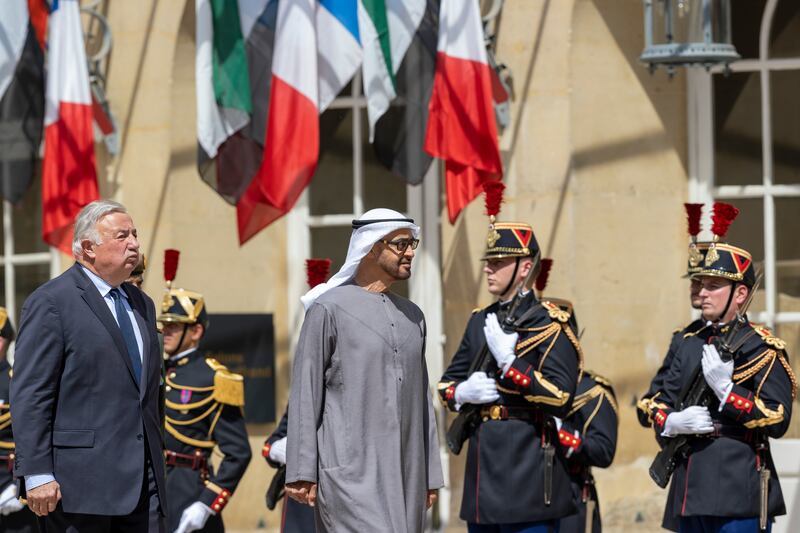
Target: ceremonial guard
x,y
14,516
587,435
588,438
204,404
650,402
296,517
513,476
725,479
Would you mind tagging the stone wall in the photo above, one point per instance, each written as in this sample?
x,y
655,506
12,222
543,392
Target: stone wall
x,y
595,159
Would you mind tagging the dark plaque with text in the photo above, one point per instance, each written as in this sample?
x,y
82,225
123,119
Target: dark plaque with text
x,y
246,345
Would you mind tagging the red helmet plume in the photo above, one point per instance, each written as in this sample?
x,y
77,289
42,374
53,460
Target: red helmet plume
x,y
494,196
317,271
171,257
693,214
723,215
544,274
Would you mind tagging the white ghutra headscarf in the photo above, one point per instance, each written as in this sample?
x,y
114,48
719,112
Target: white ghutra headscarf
x,y
368,229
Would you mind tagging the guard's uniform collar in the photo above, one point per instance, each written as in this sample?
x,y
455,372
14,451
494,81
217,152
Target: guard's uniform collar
x,y
506,303
182,358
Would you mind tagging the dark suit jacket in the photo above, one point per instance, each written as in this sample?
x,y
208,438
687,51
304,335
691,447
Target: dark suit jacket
x,y
77,408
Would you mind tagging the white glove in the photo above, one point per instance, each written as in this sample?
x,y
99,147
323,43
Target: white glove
x,y
694,420
502,345
479,388
9,503
277,452
718,373
194,517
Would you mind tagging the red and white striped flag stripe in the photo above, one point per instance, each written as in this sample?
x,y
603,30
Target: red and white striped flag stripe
x,y
69,177
461,122
292,140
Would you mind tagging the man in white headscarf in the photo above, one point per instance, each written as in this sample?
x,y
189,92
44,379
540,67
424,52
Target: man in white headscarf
x,y
362,444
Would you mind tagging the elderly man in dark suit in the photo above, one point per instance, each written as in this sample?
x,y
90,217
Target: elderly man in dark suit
x,y
85,391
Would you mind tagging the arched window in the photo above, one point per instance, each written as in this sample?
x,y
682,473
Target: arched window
x,y
26,260
744,146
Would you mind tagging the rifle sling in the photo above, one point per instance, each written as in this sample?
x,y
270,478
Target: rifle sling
x,y
741,340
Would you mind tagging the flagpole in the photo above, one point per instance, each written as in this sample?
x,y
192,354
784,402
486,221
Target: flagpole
x,y
358,148
8,265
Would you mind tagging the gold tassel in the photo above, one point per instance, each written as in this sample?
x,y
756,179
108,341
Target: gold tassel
x,y
228,387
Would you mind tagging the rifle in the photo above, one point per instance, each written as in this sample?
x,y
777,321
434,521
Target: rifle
x,y
469,416
275,490
697,392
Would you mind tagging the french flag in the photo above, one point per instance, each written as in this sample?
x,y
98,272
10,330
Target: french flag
x,y
461,122
316,52
69,178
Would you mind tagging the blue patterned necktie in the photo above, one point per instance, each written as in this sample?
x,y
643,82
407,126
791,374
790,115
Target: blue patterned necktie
x,y
128,335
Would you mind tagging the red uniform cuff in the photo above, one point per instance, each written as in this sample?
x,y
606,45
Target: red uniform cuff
x,y
740,403
450,393
220,501
660,417
517,377
568,439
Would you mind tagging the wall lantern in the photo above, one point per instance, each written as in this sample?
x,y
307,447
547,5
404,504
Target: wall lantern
x,y
687,32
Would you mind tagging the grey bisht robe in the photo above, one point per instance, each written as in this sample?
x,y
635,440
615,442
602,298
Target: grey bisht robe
x,y
362,424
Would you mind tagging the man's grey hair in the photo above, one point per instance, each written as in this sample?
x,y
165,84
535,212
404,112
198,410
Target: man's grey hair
x,y
86,222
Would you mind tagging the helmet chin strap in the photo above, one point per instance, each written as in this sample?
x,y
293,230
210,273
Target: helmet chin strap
x,y
513,277
180,342
728,303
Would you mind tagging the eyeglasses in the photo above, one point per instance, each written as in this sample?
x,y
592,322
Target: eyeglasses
x,y
401,245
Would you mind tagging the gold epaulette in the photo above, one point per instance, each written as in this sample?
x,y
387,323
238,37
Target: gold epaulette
x,y
228,387
599,379
581,400
765,359
3,317
477,310
549,333
768,337
555,312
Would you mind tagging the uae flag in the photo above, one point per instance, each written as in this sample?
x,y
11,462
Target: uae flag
x,y
21,94
399,134
233,65
239,48
387,28
461,122
69,177
317,50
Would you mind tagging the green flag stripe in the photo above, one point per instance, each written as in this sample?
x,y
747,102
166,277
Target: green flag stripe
x,y
377,12
231,79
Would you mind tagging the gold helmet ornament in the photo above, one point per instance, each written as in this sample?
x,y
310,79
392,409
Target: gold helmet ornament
x,y
697,250
180,305
505,239
723,260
